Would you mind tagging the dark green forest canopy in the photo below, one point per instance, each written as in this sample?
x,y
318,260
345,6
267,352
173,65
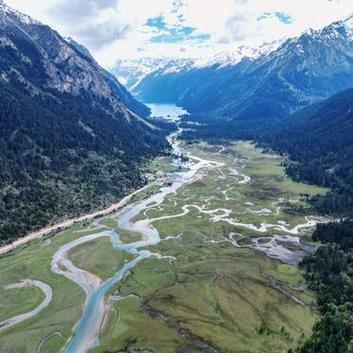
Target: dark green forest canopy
x,y
330,273
61,155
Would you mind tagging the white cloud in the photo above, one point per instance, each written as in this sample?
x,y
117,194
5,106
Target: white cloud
x,y
114,29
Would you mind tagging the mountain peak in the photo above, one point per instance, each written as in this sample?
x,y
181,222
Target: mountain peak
x,y
349,18
13,14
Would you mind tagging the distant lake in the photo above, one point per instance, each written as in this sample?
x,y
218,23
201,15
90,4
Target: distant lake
x,y
167,111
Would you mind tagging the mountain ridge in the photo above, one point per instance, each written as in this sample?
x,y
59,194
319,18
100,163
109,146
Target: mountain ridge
x,y
69,143
132,72
60,52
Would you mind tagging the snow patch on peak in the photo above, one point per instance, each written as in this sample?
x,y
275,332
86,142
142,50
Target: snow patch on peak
x,y
3,6
132,72
349,20
232,58
25,19
309,32
348,23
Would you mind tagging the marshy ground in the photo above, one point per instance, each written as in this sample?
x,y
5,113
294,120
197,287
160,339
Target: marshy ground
x,y
221,287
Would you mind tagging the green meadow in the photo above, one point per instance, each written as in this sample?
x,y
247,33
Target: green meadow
x,y
208,296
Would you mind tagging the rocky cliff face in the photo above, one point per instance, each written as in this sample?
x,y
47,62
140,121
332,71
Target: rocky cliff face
x,y
69,68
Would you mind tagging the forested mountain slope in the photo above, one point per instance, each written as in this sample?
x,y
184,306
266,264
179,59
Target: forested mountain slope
x,y
69,140
319,142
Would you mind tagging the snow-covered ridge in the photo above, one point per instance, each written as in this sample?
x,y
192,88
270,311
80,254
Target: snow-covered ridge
x,y
5,9
338,35
342,30
132,72
349,26
233,57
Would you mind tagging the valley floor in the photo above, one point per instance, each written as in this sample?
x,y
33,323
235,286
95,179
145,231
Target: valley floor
x,y
223,276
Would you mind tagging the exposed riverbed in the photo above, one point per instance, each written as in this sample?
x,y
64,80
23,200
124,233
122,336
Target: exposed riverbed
x,y
45,288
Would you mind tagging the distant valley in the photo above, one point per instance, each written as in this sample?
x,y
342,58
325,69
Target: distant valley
x,y
253,91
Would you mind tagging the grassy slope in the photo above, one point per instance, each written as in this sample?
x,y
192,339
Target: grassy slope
x,y
162,164
216,295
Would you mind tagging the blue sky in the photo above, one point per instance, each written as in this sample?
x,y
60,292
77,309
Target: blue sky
x,y
283,17
114,29
167,34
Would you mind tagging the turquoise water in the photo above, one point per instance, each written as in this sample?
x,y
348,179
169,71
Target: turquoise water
x,y
94,300
167,111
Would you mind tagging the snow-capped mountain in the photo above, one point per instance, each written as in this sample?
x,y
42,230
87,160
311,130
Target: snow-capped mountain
x,y
7,11
233,57
132,72
268,85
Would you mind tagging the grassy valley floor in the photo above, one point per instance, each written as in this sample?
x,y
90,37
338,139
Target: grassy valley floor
x,y
221,287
